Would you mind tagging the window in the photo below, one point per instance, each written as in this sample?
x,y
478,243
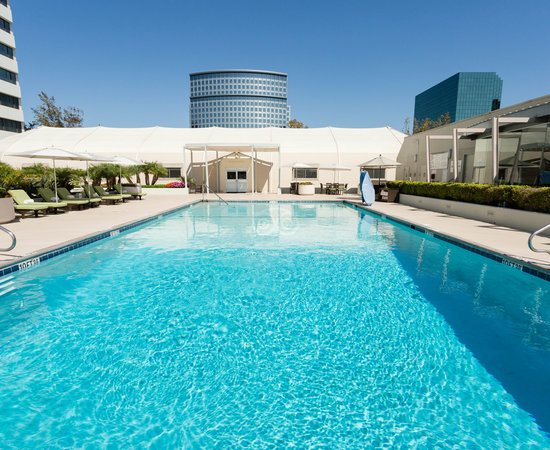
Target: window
x,y
5,25
173,172
10,125
8,100
4,2
8,76
305,173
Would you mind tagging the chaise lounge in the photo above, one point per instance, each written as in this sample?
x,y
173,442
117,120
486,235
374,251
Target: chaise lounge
x,y
48,195
21,198
92,192
66,196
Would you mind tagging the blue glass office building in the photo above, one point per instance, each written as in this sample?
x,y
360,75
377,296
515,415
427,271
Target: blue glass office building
x,y
238,99
464,95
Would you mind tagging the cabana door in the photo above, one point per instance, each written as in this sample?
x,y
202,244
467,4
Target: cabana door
x,y
236,181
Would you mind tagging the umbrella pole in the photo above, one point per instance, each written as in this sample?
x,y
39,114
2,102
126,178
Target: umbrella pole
x,y
55,182
87,181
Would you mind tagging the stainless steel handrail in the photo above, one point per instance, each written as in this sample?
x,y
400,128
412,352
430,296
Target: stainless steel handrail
x,y
535,233
209,189
13,240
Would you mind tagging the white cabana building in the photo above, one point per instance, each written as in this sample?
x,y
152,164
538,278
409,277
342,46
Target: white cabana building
x,y
237,159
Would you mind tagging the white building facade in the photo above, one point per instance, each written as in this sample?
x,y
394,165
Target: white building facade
x,y
11,113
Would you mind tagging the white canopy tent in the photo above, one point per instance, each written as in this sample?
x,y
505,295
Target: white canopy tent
x,y
312,146
231,148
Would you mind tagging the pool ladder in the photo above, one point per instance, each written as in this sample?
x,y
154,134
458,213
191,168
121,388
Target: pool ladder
x,y
13,240
7,284
535,233
209,189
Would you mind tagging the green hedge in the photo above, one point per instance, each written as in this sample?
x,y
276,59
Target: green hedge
x,y
149,186
519,197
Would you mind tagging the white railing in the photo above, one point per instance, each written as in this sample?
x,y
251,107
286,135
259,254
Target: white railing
x,y
13,240
535,233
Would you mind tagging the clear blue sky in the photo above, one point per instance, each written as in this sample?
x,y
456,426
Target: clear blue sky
x,y
126,63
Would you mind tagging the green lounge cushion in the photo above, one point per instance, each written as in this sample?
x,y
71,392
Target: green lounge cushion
x,y
19,195
65,195
30,207
104,195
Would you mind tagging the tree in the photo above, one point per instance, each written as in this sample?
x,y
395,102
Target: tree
x,y
50,115
428,124
155,169
406,126
295,124
108,171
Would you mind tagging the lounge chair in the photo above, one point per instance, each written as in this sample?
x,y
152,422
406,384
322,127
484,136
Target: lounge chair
x,y
90,193
130,194
31,207
48,195
21,198
104,194
66,196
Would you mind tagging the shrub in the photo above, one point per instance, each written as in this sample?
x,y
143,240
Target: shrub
x,y
519,197
176,184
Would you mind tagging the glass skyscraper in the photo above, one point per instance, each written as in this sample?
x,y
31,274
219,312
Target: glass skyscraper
x,y
238,99
464,95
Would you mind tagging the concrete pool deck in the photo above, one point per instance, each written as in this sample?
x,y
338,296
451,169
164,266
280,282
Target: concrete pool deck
x,y
39,235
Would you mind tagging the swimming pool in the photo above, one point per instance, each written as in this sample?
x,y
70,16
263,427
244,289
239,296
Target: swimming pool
x,y
271,324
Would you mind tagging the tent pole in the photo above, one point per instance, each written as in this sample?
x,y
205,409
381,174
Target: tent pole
x,y
252,168
185,171
206,170
193,167
279,180
217,171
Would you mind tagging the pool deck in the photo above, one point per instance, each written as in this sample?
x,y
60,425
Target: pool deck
x,y
45,233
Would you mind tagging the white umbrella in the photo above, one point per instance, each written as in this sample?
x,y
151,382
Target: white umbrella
x,y
299,165
335,168
379,162
53,154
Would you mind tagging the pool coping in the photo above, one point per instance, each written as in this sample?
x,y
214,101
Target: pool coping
x,y
35,258
488,252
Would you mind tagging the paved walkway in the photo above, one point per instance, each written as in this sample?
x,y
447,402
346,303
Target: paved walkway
x,y
36,235
495,238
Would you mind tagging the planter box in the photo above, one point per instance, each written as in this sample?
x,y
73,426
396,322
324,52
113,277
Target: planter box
x,y
306,189
393,195
513,218
7,211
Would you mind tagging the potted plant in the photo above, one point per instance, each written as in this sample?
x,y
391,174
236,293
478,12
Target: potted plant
x,y
306,188
7,211
9,179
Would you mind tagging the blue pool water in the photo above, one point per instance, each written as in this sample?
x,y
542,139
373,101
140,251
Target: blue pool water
x,y
279,324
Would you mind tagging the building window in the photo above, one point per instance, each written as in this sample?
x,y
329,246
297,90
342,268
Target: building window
x,y
6,51
4,2
305,173
8,100
8,76
5,25
10,125
173,172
